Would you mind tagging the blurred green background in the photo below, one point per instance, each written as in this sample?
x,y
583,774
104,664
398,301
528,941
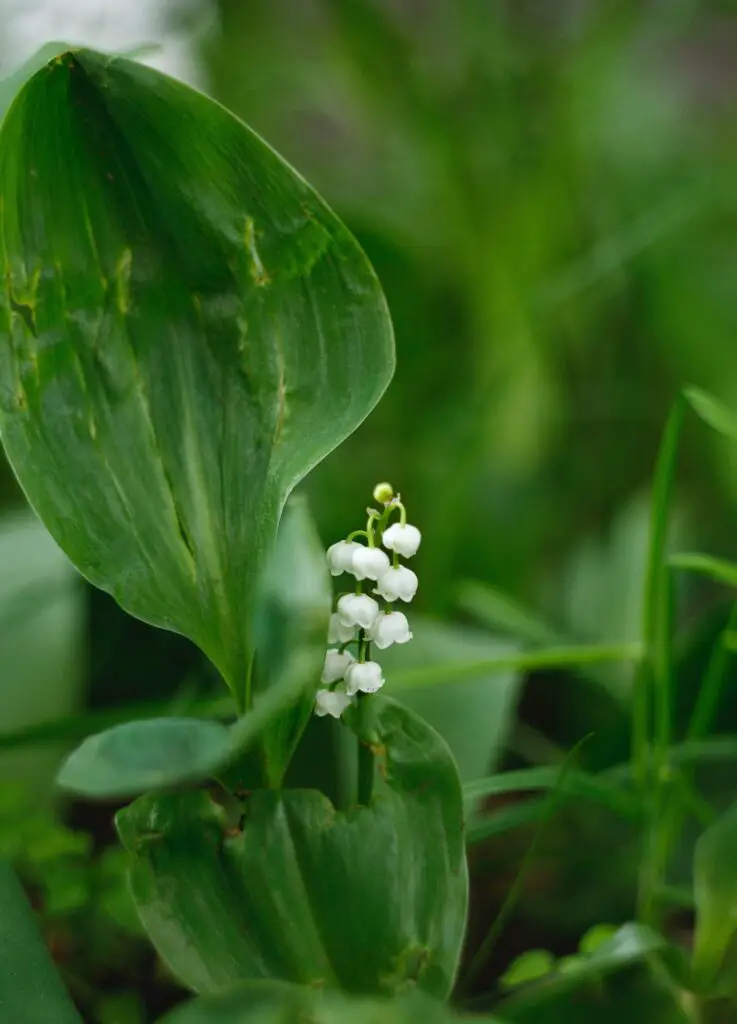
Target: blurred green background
x,y
548,192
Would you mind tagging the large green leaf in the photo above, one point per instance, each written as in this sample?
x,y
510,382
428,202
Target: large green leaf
x,y
371,900
138,756
263,1002
10,84
30,989
186,330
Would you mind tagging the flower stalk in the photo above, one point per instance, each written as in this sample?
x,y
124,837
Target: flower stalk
x,y
358,618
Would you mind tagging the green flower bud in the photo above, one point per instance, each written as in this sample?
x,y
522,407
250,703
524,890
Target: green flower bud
x,y
383,492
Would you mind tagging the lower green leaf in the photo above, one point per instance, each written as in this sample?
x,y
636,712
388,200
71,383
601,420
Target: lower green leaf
x,y
638,994
642,991
150,754
372,900
31,991
279,1003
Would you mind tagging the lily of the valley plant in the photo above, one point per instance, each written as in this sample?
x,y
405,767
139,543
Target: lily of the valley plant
x,y
360,621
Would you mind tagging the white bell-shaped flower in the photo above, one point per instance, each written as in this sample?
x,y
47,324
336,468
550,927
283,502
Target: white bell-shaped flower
x,y
340,556
336,664
338,631
358,610
365,676
331,702
399,582
402,538
390,628
369,563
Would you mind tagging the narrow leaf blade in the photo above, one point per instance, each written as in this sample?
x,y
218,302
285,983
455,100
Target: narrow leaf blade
x,y
713,412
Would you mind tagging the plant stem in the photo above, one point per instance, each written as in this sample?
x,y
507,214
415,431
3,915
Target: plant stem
x,y
365,773
365,787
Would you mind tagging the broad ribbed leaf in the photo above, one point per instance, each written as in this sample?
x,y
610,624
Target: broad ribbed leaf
x,y
10,84
263,1002
372,900
185,330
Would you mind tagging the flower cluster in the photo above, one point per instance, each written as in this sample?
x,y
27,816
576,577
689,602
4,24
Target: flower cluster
x,y
359,620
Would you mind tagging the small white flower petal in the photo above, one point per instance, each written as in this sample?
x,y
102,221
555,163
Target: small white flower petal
x,y
340,556
390,628
402,538
336,664
397,583
338,631
358,610
369,563
364,676
331,702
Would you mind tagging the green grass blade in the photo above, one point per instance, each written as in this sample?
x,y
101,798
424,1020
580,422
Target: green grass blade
x,y
573,783
548,809
547,658
654,675
501,613
651,709
713,412
504,820
717,569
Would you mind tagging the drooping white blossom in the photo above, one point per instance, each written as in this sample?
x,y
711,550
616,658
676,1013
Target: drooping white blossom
x,y
369,563
397,583
340,556
336,665
358,610
364,676
390,628
331,702
338,631
402,538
